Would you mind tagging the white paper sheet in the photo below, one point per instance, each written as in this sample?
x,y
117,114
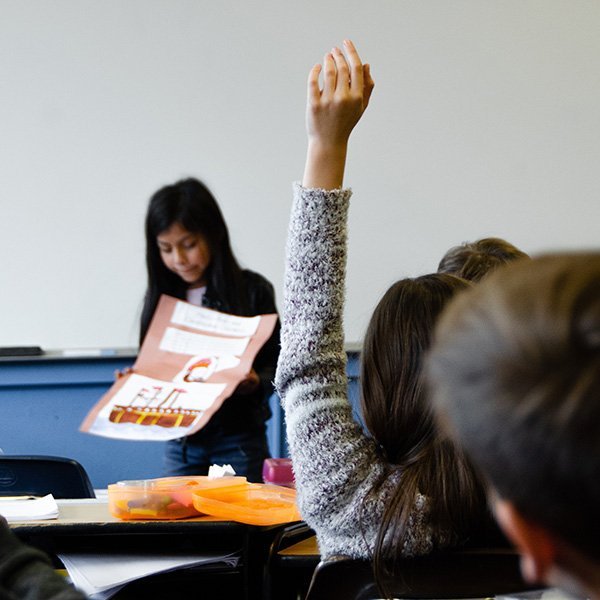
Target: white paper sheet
x,y
28,508
185,342
154,397
100,576
211,321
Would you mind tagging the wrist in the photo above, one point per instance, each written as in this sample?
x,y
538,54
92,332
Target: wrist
x,y
326,149
325,163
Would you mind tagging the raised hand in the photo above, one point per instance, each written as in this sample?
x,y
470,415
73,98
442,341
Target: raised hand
x,y
332,112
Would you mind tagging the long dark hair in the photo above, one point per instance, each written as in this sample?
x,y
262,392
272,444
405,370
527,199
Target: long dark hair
x,y
400,420
191,204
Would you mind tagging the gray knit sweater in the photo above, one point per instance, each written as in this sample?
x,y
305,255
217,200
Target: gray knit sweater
x,y
335,464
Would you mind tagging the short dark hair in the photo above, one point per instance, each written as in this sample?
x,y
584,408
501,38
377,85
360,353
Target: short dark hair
x,y
514,372
474,260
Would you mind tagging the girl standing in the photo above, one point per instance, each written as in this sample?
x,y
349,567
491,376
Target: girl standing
x,y
189,256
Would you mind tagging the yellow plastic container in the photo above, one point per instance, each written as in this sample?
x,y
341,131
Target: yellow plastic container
x,y
254,504
164,498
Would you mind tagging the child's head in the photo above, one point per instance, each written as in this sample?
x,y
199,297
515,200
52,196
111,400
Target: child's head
x,y
474,260
185,232
401,422
515,374
187,244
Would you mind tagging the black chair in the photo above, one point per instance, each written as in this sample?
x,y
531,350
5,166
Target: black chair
x,y
287,577
41,475
480,573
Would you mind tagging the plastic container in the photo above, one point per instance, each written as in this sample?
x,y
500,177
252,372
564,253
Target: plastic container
x,y
165,498
278,471
255,504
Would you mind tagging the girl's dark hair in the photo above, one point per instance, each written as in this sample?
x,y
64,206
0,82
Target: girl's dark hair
x,y
191,204
400,420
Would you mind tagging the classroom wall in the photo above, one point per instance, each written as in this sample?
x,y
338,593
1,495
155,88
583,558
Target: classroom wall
x,y
484,121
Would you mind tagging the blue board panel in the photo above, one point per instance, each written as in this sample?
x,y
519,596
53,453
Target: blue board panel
x,y
43,401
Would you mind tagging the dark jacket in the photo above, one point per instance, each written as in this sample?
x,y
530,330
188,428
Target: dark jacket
x,y
249,411
26,573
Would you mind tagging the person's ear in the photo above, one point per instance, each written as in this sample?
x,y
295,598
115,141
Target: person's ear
x,y
535,543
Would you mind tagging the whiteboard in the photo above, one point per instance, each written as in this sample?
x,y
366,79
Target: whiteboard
x,y
484,121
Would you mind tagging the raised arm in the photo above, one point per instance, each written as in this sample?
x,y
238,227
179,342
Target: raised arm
x,y
335,464
331,114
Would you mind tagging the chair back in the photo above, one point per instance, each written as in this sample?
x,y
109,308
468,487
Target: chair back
x,y
287,576
480,573
41,475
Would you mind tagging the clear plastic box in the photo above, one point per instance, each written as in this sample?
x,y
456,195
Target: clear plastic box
x,y
164,498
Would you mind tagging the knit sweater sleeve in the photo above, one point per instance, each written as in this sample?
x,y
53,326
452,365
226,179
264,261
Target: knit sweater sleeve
x,y
335,464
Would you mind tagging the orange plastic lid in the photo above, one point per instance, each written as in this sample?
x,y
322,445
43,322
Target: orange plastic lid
x,y
200,482
254,504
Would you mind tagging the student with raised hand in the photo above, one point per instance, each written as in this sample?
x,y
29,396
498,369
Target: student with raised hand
x,y
403,490
515,375
189,256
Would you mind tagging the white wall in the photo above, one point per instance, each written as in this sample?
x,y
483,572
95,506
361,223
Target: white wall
x,y
484,121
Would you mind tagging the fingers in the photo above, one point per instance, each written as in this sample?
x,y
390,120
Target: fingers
x,y
314,92
343,72
356,68
338,93
329,75
369,84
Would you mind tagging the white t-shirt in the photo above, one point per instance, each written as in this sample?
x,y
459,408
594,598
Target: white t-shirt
x,y
194,295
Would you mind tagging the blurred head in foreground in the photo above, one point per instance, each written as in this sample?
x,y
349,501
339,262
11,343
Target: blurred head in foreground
x,y
514,374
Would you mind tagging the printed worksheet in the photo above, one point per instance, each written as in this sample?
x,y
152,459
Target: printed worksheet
x,y
192,360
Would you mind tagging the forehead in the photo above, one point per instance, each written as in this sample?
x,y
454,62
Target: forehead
x,y
174,234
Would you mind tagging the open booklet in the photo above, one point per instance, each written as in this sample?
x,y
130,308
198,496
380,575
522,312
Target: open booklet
x,y
101,576
191,360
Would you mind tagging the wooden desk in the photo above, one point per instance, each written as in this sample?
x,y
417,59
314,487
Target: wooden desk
x,y
86,525
308,548
92,516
